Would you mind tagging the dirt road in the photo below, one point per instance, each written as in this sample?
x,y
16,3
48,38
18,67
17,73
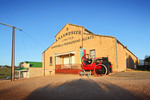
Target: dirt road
x,y
118,86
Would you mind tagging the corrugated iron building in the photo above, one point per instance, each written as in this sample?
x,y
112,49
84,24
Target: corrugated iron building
x,y
64,53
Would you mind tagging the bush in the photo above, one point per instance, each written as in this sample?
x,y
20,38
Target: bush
x,y
144,67
5,72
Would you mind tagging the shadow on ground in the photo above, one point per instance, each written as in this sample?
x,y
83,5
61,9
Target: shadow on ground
x,y
82,89
135,75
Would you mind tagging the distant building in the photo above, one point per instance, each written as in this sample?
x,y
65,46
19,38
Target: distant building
x,y
30,69
65,52
141,62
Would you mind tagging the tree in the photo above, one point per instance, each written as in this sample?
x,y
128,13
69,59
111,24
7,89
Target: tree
x,y
20,64
147,58
6,66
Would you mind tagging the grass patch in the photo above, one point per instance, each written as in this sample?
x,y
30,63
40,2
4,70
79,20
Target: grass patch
x,y
5,72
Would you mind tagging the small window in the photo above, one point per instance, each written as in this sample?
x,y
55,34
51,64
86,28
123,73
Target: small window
x,y
92,53
67,29
51,62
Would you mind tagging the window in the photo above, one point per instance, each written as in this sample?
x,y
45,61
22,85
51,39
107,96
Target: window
x,y
51,62
92,53
67,29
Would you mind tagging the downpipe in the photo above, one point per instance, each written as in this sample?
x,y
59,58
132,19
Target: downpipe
x,y
116,56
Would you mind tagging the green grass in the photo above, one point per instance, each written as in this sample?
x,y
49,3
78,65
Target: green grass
x,y
5,72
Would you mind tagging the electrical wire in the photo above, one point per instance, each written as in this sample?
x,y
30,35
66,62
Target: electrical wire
x,y
33,39
24,45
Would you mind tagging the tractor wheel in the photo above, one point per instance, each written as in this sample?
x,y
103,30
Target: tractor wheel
x,y
100,70
107,66
85,58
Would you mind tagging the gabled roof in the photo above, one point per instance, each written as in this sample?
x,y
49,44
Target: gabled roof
x,y
104,35
34,64
76,26
69,24
91,33
126,48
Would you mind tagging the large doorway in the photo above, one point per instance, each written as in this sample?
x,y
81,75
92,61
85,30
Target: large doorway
x,y
68,61
65,63
65,60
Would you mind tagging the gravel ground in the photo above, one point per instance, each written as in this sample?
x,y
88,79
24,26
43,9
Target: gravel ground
x,y
118,86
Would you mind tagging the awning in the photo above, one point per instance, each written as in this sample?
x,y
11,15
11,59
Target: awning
x,y
22,69
66,53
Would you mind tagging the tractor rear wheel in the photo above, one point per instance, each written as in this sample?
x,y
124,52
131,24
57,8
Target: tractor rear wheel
x,y
100,70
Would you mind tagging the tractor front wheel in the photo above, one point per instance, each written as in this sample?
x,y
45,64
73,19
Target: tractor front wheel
x,y
100,70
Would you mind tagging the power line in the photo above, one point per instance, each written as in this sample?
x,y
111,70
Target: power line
x,y
33,39
24,44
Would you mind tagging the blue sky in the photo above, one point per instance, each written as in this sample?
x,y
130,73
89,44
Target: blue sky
x,y
127,20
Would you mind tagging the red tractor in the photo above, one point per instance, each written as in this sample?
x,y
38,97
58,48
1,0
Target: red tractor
x,y
98,66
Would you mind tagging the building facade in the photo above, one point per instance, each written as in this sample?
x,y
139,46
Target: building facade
x,y
65,52
29,69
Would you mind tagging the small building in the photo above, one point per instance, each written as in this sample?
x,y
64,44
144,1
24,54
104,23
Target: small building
x,y
141,62
30,69
71,40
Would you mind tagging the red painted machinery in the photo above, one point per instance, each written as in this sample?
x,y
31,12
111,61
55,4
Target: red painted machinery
x,y
98,66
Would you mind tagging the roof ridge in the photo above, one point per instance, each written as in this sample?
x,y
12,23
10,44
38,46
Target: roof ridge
x,y
104,35
68,24
75,25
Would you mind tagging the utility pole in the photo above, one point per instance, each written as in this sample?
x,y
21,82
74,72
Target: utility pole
x,y
13,49
13,54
